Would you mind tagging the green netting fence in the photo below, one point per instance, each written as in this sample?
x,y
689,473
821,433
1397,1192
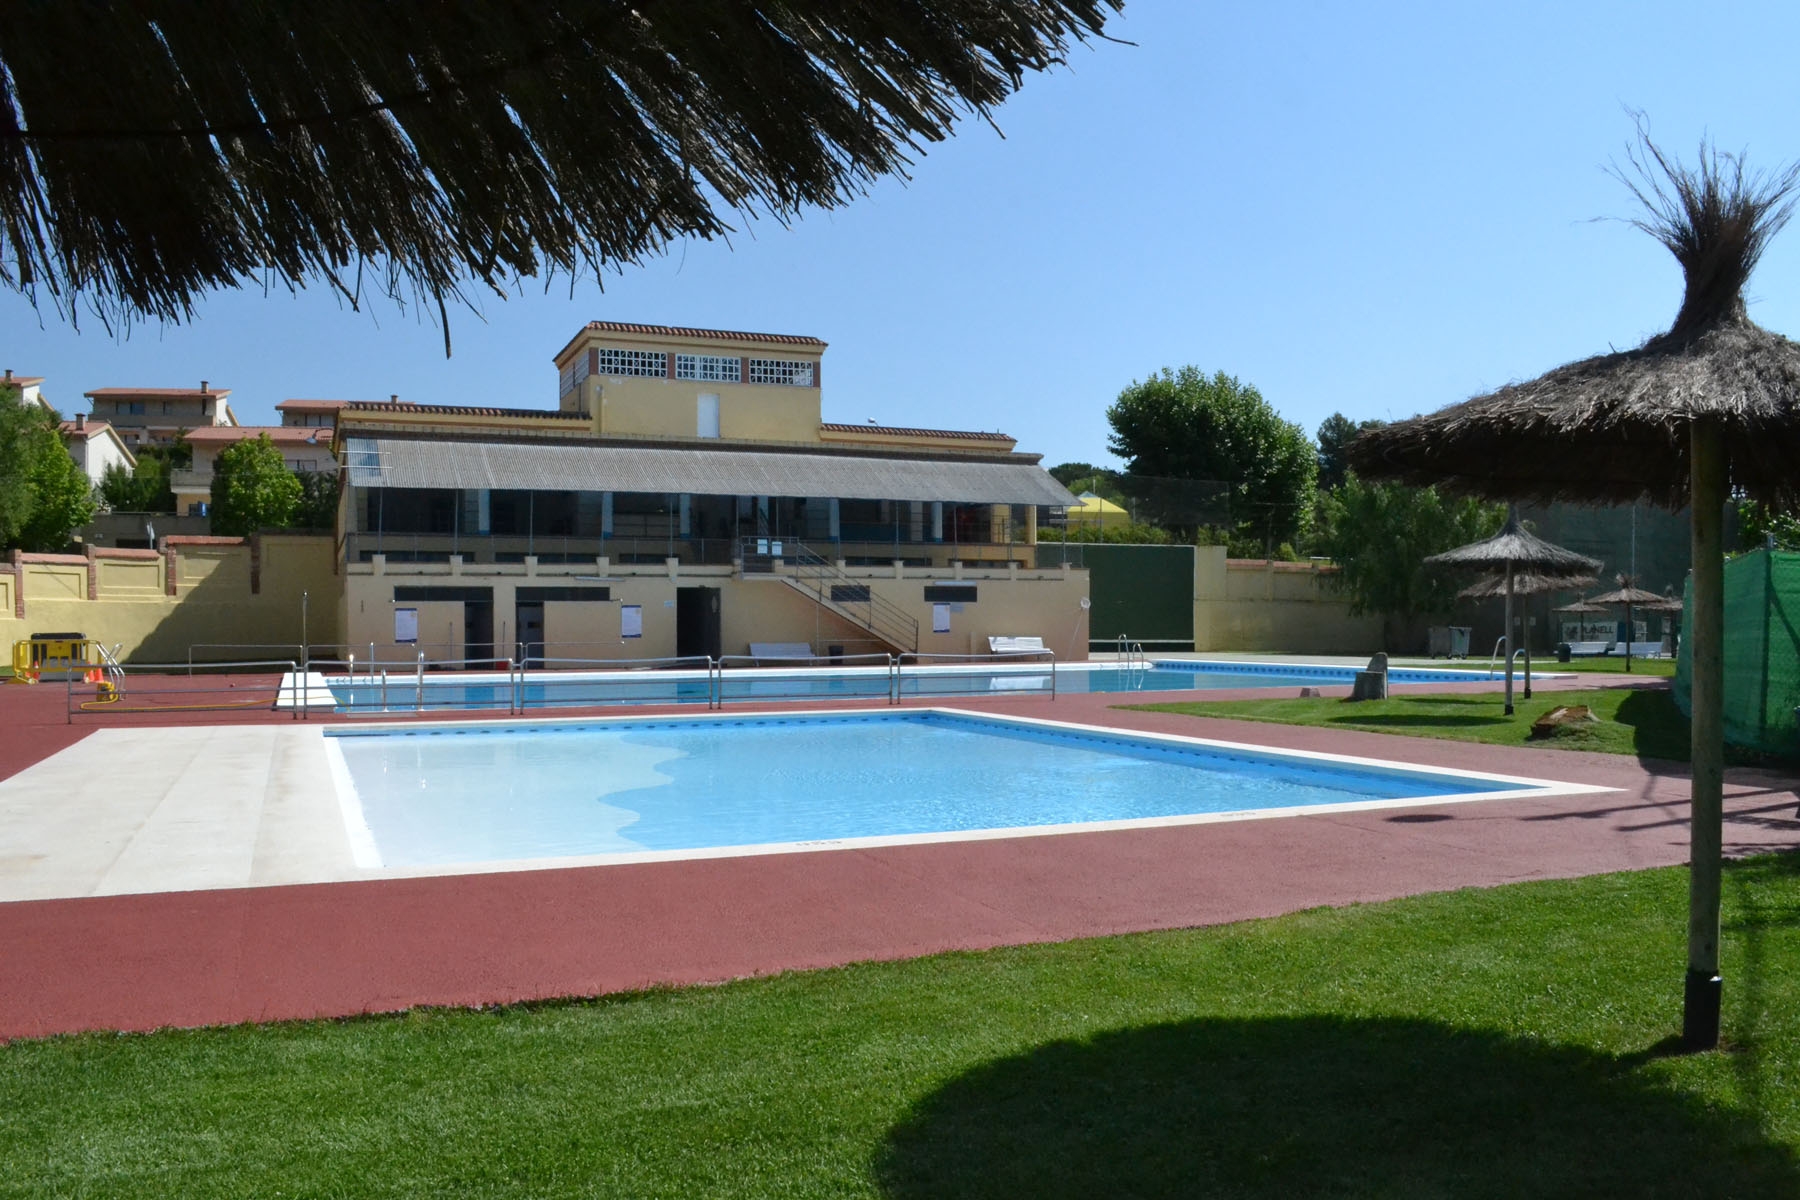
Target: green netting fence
x,y
1762,652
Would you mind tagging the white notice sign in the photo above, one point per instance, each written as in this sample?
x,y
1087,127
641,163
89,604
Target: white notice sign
x,y
406,626
940,618
631,620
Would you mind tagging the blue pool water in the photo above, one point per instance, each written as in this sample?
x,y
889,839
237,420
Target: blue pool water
x,y
645,687
476,794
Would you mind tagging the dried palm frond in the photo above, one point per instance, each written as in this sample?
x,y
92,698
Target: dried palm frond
x,y
195,146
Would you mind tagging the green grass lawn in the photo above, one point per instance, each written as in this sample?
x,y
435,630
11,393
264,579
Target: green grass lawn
x,y
1493,1043
1642,722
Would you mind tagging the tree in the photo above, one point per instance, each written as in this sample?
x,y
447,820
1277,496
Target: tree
x,y
318,500
1336,432
253,489
44,496
64,496
1380,535
144,488
1757,523
1187,426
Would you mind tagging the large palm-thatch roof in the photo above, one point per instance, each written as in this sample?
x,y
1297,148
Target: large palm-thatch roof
x,y
1615,428
153,151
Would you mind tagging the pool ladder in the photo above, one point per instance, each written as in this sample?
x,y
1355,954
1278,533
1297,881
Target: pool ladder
x,y
1130,655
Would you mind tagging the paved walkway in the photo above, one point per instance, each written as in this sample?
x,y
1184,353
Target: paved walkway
x,y
273,952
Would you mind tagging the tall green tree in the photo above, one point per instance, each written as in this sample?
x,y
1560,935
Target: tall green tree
x,y
1186,425
143,489
253,489
44,496
318,500
1336,432
1380,534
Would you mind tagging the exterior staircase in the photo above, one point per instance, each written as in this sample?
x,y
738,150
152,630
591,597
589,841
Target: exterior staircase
x,y
833,589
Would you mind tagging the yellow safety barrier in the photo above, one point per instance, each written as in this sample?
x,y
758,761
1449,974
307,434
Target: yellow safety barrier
x,y
57,656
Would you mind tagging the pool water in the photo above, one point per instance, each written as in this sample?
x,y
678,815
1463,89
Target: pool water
x,y
404,692
471,794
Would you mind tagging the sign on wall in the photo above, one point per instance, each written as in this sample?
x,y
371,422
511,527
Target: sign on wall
x,y
406,626
940,618
631,620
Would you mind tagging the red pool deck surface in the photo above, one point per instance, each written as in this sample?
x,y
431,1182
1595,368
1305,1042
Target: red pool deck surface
x,y
256,954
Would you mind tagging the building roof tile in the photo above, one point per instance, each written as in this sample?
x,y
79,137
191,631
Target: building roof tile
x,y
905,431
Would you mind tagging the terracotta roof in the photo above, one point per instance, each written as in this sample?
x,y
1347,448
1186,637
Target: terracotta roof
x,y
295,435
93,428
194,393
23,380
407,408
683,331
310,405
902,431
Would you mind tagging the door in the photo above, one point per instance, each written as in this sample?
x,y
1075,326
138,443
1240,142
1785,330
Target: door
x,y
478,631
530,616
698,630
707,422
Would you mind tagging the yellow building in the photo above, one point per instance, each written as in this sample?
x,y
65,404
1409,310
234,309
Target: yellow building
x,y
686,497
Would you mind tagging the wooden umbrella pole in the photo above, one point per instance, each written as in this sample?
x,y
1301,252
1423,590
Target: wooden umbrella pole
x,y
1506,639
1700,1014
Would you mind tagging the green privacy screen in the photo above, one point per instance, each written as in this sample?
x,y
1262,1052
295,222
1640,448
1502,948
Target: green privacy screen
x,y
1143,592
1762,651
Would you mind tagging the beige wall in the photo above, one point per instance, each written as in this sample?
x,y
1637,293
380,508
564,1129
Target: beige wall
x,y
1010,603
213,602
670,407
1276,607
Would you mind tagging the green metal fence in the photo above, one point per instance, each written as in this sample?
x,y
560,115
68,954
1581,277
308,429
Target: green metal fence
x,y
1762,652
1145,593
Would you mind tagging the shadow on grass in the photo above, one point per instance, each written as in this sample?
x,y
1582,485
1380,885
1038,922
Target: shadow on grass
x,y
1321,1106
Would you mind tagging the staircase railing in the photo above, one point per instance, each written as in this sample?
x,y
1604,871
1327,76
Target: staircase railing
x,y
817,576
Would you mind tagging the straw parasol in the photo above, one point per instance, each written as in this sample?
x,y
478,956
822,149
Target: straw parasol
x,y
434,144
1709,406
1526,584
1631,597
1516,549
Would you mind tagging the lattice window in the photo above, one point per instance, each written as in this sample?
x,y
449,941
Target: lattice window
x,y
651,363
709,368
777,370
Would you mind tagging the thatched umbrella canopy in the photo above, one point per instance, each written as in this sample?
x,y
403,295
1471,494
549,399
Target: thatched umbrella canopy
x,y
1710,406
217,144
1491,586
1581,606
1629,596
1516,549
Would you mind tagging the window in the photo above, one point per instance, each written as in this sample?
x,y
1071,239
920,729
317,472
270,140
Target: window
x,y
652,364
850,593
131,408
574,373
950,593
168,407
708,368
777,370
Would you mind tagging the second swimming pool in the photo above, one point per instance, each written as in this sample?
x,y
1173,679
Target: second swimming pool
x,y
401,692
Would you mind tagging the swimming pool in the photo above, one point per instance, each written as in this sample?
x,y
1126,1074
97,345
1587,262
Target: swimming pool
x,y
568,689
624,789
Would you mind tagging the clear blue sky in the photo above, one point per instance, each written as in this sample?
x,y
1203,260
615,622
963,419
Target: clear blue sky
x,y
1374,209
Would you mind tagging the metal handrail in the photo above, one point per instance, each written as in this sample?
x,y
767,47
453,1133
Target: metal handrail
x,y
305,649
814,573
116,673
918,658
